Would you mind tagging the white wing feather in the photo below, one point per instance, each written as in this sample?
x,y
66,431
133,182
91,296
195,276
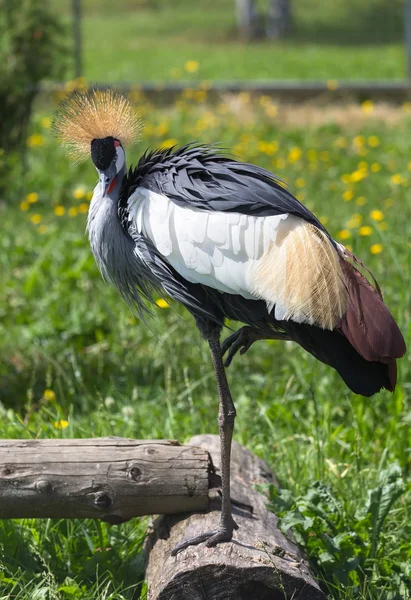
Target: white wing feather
x,y
277,258
213,248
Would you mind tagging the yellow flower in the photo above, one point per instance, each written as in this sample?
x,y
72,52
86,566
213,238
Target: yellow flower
x,y
367,106
46,122
59,210
341,142
168,143
377,215
355,221
376,248
332,84
279,163
300,182
162,128
35,219
294,155
72,211
89,196
61,424
79,193
161,303
348,195
24,206
42,229
365,230
397,179
271,110
49,395
35,140
264,100
344,234
359,140
373,141
244,97
191,66
324,220
32,197
346,178
83,207
375,167
361,201
200,95
268,148
358,175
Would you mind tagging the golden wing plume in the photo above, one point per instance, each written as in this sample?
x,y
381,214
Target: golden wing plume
x,y
86,115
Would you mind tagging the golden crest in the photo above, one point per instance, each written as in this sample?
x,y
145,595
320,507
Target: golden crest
x,y
94,114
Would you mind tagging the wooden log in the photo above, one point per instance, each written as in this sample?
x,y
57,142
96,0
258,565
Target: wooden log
x,y
261,563
112,479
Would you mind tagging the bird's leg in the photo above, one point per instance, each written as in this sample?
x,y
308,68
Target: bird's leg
x,y
226,417
242,340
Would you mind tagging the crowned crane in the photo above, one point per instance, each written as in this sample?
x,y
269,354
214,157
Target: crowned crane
x,y
228,241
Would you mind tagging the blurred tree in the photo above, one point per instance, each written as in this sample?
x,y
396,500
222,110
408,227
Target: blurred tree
x,y
247,20
278,18
32,48
252,24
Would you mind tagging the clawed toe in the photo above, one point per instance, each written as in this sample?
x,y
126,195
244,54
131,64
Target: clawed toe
x,y
211,538
240,341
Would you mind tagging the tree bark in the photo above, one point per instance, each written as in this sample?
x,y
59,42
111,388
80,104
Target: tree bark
x,y
278,18
113,479
246,18
260,563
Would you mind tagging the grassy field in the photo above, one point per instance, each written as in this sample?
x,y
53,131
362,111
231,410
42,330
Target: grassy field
x,y
153,41
76,363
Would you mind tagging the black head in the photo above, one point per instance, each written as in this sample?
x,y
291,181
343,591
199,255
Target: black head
x,y
103,151
109,159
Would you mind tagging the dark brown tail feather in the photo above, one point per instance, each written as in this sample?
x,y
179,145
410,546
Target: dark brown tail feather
x,y
368,324
364,348
334,349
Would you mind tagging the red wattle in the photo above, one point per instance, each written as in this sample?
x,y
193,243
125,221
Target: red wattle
x,y
112,184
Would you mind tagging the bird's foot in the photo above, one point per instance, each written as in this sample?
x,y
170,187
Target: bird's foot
x,y
240,341
224,533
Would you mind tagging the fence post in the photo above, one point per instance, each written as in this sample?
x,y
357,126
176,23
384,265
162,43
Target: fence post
x,y
407,28
78,67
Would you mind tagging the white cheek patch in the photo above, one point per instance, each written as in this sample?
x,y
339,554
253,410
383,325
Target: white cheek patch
x,y
120,158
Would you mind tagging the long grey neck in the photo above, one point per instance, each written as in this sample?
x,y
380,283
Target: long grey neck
x,y
104,227
113,248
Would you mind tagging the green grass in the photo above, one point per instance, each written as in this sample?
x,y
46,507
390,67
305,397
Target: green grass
x,y
151,41
62,329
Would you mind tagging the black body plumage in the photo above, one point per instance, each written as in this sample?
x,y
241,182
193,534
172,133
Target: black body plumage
x,y
200,177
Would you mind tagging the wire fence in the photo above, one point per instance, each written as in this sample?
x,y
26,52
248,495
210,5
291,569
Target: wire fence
x,y
171,43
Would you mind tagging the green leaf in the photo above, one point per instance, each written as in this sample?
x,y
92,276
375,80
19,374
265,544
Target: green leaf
x,y
381,499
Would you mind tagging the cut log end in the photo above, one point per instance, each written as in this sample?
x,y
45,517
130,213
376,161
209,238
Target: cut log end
x,y
260,563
